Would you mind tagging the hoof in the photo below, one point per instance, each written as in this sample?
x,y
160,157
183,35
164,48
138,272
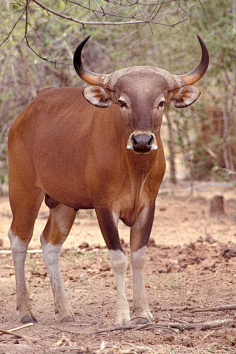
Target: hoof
x,y
141,320
67,319
29,319
143,317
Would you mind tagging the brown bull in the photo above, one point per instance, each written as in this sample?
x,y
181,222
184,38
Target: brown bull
x,y
82,157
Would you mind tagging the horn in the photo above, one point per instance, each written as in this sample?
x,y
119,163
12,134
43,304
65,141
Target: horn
x,y
85,74
195,75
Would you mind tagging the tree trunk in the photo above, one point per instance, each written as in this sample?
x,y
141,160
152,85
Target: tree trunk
x,y
171,148
217,205
28,74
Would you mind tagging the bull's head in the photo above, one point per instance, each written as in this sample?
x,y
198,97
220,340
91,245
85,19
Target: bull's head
x,y
141,92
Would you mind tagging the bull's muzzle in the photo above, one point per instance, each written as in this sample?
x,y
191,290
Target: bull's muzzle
x,y
142,142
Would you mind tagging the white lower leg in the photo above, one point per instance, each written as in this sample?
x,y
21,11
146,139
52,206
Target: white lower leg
x,y
19,249
139,293
119,264
51,256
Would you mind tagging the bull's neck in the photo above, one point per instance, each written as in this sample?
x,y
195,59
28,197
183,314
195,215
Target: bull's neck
x,y
140,165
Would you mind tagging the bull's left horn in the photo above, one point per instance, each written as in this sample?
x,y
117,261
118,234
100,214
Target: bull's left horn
x,y
195,75
85,74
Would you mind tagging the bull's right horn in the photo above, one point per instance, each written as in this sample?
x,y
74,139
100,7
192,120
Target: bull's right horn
x,y
85,74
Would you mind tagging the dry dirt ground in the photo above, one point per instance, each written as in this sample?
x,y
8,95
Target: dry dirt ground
x,y
191,265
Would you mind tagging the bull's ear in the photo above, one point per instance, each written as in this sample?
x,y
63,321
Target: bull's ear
x,y
185,96
97,96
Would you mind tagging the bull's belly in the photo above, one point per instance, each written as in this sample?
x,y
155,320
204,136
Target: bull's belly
x,y
69,194
123,207
125,202
75,203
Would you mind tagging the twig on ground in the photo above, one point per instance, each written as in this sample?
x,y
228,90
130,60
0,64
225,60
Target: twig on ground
x,y
81,350
137,347
64,341
31,339
125,327
177,325
216,308
208,335
198,325
65,348
174,319
203,309
18,328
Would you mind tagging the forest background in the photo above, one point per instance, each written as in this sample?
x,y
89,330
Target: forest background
x,y
38,38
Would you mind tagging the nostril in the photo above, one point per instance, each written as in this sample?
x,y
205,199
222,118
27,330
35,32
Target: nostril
x,y
151,140
134,141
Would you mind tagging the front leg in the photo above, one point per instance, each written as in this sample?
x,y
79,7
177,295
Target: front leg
x,y
108,224
140,234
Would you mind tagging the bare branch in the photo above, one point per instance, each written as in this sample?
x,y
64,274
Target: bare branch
x,y
13,27
204,12
104,23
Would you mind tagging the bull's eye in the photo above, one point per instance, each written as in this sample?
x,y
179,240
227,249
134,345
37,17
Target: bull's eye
x,y
122,103
162,103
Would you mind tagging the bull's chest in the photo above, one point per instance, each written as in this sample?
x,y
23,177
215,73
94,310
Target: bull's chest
x,y
130,200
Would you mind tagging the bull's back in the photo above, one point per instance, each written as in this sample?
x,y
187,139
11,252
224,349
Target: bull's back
x,y
58,143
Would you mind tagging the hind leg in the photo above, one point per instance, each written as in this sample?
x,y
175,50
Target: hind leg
x,y
25,205
55,233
